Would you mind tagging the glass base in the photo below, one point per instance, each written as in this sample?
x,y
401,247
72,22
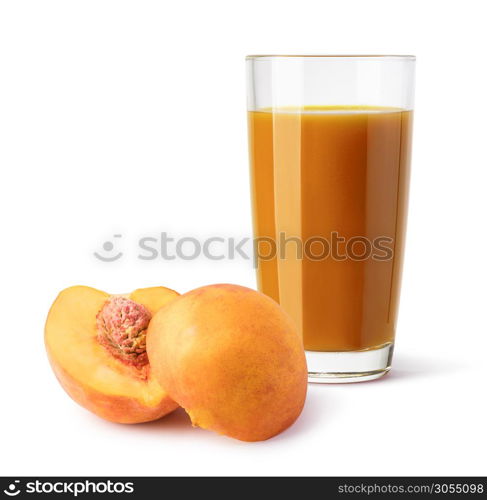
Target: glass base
x,y
349,366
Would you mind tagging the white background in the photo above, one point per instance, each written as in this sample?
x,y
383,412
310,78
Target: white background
x,y
129,117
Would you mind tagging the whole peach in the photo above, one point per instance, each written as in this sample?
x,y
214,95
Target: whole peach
x,y
232,358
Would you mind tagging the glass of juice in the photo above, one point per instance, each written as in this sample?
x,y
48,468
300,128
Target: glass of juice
x,y
330,146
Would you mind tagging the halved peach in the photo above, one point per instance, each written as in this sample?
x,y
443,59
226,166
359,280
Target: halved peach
x,y
96,346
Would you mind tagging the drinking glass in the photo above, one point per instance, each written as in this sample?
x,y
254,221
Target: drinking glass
x,y
330,146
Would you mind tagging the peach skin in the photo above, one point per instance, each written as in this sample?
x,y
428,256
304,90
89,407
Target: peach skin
x,y
232,358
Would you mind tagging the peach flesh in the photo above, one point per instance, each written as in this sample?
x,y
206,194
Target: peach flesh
x,y
88,372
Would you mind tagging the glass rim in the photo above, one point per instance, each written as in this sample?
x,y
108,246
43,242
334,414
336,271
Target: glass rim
x,y
330,56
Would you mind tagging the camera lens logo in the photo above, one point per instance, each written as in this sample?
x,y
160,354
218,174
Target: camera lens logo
x,y
109,248
12,489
